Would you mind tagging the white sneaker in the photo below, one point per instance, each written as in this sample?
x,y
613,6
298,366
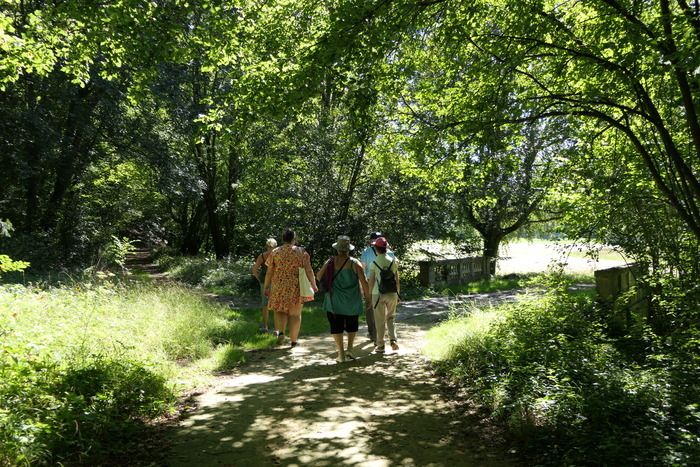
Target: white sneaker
x,y
349,355
340,358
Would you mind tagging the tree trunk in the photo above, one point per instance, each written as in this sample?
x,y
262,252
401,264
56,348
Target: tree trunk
x,y
31,187
352,185
234,170
492,241
206,164
81,108
218,239
192,230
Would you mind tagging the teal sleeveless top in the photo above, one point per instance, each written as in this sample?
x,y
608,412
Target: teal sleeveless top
x,y
346,298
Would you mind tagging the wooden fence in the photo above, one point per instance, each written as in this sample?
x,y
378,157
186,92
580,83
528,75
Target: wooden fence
x,y
611,283
454,271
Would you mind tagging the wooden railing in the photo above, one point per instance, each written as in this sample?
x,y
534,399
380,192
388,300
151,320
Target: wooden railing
x,y
454,271
611,284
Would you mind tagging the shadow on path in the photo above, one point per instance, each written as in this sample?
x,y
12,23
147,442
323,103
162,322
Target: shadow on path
x,y
299,407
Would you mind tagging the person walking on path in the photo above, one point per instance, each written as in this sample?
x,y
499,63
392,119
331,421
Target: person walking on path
x,y
259,271
282,286
384,275
367,257
343,301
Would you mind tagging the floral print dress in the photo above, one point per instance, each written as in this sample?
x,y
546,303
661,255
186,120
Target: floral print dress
x,y
284,263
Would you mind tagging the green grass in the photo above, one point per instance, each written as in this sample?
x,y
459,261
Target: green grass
x,y
105,358
443,340
233,278
165,324
313,320
604,253
222,277
564,392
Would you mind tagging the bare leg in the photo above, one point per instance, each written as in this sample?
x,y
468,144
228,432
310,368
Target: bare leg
x,y
294,326
295,323
338,338
351,340
280,321
265,317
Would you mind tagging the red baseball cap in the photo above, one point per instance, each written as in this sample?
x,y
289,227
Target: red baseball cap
x,y
380,242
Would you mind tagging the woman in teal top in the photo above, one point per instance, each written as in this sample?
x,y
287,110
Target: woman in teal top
x,y
343,301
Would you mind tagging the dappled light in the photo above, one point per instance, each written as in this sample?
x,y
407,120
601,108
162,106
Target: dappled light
x,y
531,167
299,407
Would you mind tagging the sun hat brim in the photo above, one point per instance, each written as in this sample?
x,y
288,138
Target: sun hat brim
x,y
351,247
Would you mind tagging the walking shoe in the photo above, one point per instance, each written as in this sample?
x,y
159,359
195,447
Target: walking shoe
x,y
394,345
280,337
340,358
379,349
294,344
349,355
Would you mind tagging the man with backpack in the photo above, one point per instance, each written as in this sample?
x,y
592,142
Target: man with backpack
x,y
384,279
367,257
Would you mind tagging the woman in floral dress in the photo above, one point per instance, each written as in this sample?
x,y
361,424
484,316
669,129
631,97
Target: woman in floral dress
x,y
282,286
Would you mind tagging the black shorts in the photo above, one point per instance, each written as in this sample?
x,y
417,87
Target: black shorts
x,y
340,323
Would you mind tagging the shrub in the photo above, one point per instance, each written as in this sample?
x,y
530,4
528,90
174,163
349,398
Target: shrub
x,y
561,386
78,409
83,369
222,276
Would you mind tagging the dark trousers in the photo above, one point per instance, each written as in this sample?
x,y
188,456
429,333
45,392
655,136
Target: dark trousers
x,y
371,327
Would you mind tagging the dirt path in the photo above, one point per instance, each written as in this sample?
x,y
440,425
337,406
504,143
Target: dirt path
x,y
299,407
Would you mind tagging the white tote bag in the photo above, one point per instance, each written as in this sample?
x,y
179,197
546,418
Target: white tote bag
x,y
305,290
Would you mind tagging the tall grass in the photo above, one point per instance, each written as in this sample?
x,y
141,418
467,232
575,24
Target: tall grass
x,y
568,394
225,277
232,277
84,366
446,340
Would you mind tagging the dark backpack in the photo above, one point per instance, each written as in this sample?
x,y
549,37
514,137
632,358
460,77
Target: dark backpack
x,y
387,279
326,283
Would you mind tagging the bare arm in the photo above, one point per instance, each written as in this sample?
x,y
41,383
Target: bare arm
x,y
322,271
270,273
310,272
360,271
257,265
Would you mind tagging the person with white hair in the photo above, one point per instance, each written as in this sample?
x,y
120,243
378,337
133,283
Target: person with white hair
x,y
259,271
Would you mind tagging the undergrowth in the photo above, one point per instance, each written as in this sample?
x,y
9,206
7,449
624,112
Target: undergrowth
x,y
84,369
224,277
567,393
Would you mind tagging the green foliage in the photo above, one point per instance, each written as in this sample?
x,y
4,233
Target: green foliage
x,y
78,409
7,264
563,389
118,249
226,277
314,320
83,369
